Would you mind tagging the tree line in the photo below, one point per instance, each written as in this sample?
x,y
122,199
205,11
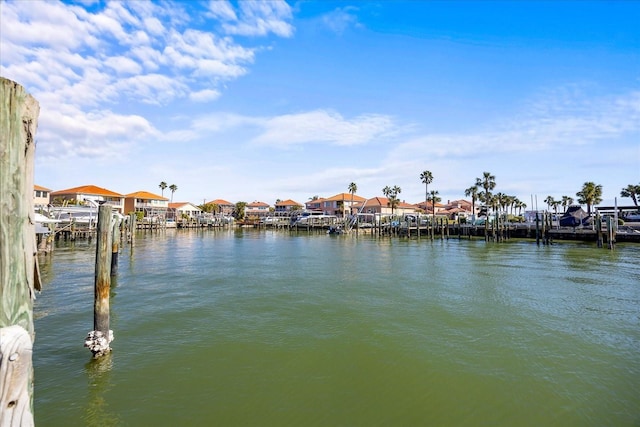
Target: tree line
x,y
481,191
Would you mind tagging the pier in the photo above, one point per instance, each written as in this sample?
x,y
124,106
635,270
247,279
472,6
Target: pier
x,y
544,233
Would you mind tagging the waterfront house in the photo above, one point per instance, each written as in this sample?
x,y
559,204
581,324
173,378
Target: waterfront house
x,y
185,209
224,207
87,194
456,208
151,205
315,204
259,209
428,207
340,204
382,206
287,206
40,196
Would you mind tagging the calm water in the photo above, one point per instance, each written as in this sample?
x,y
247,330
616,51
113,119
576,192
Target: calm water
x,y
263,328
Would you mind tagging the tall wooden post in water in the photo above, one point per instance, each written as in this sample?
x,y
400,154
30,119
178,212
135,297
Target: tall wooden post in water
x,y
99,339
115,245
18,122
132,228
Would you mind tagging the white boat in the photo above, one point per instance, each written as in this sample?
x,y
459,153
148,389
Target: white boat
x,y
42,223
76,214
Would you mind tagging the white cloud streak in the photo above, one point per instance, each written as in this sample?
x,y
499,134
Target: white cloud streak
x,y
550,122
322,126
255,18
340,19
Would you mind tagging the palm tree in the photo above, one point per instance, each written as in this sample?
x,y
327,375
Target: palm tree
x,y
433,198
173,189
632,191
591,194
566,202
549,201
512,202
162,186
488,183
427,178
352,189
239,210
392,195
501,201
554,205
473,193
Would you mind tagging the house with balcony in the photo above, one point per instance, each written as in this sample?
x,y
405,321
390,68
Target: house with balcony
x,y
341,204
40,196
455,209
185,210
315,205
286,206
88,194
382,207
151,205
258,209
223,207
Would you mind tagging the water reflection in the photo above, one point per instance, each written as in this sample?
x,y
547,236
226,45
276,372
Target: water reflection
x,y
97,412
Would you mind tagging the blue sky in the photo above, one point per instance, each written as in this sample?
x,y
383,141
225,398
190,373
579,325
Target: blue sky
x,y
269,100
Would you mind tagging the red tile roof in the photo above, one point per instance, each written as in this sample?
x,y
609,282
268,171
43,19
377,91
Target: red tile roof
x,y
383,201
347,196
40,188
220,202
144,195
176,205
88,189
288,202
257,205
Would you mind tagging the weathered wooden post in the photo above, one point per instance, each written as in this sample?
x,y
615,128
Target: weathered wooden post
x,y
99,339
599,230
115,245
18,122
611,230
132,228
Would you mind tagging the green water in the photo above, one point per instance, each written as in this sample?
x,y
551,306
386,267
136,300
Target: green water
x,y
265,328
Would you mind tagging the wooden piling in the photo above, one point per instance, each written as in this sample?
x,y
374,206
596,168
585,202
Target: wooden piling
x,y
611,230
115,245
132,228
599,242
18,123
99,339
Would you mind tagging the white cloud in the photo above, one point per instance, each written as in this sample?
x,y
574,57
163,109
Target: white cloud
x,y
312,127
204,95
75,59
323,126
151,58
340,19
259,18
49,25
155,89
222,122
97,135
549,123
221,9
154,26
123,65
